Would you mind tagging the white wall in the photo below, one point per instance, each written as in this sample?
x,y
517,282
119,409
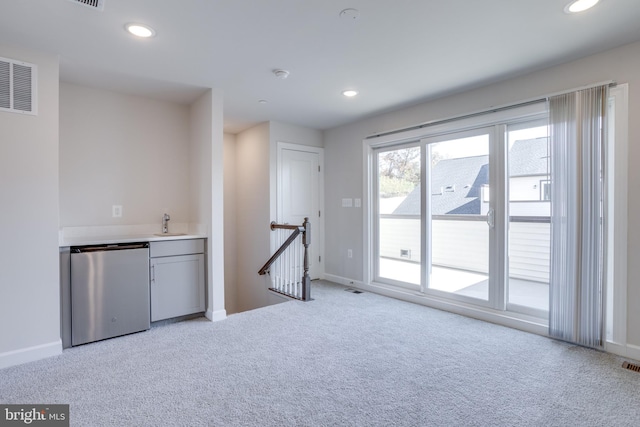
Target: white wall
x,y
284,132
206,192
230,229
29,257
215,303
118,149
344,153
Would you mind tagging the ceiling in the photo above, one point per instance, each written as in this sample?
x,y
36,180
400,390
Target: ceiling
x,y
397,53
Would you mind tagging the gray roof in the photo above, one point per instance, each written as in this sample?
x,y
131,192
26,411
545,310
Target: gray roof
x,y
529,157
455,187
456,184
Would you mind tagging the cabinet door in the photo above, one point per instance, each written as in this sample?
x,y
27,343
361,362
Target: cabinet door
x,y
177,286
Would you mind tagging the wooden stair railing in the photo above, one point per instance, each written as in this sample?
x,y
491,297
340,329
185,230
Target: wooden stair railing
x,y
287,280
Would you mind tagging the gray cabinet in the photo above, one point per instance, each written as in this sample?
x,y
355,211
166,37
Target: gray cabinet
x,y
177,270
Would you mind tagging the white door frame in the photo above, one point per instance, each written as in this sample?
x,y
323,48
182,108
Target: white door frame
x,y
317,221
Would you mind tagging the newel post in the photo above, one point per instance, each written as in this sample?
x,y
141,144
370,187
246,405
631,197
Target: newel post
x,y
306,241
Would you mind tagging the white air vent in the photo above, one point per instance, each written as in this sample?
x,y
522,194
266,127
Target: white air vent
x,y
18,87
93,4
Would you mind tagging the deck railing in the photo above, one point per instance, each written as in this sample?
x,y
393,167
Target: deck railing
x,y
462,242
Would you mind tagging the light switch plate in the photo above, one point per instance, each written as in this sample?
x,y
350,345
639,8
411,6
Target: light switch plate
x,y
347,203
357,202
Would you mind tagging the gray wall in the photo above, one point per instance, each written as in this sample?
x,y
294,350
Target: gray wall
x,y
29,260
119,149
252,213
344,153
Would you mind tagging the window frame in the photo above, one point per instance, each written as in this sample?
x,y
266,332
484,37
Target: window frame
x,y
500,118
617,225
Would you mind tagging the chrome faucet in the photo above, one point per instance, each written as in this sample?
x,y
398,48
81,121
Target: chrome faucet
x,y
165,223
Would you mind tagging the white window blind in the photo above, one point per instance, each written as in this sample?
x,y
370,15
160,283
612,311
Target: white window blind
x,y
577,136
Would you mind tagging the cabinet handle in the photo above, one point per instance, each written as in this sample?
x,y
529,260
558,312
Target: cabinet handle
x,y
153,273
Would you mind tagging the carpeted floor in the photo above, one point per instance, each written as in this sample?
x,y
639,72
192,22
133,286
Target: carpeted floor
x,y
343,359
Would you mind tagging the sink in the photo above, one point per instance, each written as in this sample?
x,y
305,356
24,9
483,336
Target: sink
x,y
170,234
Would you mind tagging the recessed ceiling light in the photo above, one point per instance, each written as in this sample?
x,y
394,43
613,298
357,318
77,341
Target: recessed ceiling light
x,y
350,93
350,14
262,101
580,6
140,30
281,74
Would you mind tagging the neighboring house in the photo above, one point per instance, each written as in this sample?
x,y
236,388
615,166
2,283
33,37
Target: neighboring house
x,y
456,188
529,185
460,187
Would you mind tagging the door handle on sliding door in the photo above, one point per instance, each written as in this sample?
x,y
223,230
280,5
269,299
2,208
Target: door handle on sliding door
x,y
491,217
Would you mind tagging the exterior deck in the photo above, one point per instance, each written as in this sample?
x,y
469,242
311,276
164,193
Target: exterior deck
x,y
525,293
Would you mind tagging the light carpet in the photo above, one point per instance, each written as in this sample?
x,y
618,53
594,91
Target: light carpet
x,y
343,359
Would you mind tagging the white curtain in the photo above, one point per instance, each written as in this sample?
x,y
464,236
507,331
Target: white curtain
x,y
576,297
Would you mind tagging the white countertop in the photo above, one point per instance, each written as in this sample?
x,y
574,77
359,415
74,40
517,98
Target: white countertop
x,y
104,235
105,240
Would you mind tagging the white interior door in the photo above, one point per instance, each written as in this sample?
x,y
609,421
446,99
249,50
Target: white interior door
x,y
299,180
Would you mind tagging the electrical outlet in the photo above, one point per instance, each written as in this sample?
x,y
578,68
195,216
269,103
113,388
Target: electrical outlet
x,y
349,253
116,211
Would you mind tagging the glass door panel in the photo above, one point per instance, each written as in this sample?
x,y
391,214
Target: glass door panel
x,y
398,249
458,209
529,218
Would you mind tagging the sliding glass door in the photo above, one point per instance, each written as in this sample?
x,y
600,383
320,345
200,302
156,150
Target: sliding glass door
x,y
529,236
435,217
459,214
399,227
465,216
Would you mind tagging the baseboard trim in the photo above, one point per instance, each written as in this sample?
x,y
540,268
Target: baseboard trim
x,y
523,323
343,280
30,354
633,351
628,351
215,316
